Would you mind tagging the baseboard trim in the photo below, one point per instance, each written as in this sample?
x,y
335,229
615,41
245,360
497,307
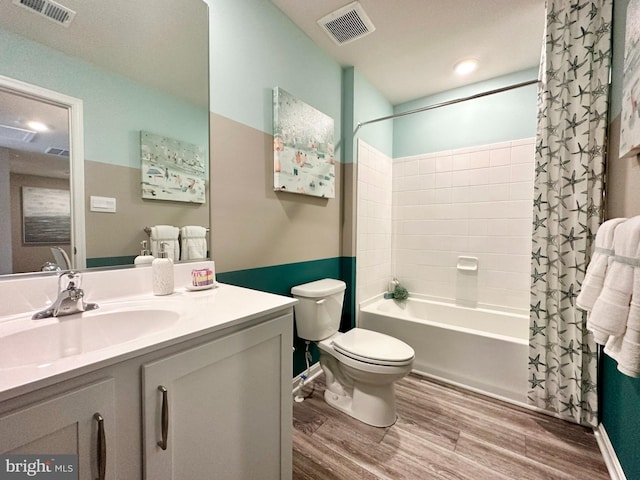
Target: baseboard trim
x,y
314,371
608,453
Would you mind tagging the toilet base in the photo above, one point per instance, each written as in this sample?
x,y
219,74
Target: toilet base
x,y
370,404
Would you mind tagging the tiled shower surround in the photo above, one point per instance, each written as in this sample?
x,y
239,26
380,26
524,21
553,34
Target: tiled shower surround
x,y
471,202
374,222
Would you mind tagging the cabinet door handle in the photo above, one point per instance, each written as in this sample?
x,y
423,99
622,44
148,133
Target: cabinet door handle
x,y
165,418
101,448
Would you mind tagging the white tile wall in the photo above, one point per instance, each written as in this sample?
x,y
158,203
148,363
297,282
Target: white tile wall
x,y
468,202
374,217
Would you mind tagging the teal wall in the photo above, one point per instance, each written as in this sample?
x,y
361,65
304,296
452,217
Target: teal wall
x,y
362,102
620,394
115,109
496,118
254,48
279,279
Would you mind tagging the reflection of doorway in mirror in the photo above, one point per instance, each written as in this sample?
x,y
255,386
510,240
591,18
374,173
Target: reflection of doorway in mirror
x,y
53,159
172,169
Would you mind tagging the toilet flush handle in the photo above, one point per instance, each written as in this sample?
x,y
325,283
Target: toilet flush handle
x,y
321,301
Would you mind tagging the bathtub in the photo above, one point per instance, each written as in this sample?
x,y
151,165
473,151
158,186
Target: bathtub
x,y
482,350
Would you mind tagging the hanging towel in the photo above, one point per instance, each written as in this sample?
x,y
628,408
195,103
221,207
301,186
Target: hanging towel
x,y
600,261
169,235
625,348
194,242
611,308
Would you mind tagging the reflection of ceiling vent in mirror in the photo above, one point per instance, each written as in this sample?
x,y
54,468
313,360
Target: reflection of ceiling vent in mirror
x,y
16,134
61,152
347,24
49,9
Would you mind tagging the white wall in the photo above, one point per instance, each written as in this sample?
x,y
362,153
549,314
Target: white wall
x,y
374,207
468,202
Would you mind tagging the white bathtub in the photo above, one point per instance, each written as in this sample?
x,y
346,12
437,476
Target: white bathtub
x,y
483,350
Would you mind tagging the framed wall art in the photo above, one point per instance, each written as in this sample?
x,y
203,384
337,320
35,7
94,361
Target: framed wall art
x,y
630,116
46,216
303,148
172,169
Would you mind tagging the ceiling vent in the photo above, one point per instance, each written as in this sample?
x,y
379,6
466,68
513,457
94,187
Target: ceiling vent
x,y
48,9
60,152
347,24
13,134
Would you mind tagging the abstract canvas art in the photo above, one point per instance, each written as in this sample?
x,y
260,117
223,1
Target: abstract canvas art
x,y
172,169
630,116
303,149
46,216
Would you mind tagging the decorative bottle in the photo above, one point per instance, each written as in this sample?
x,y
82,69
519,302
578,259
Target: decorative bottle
x,y
145,257
162,272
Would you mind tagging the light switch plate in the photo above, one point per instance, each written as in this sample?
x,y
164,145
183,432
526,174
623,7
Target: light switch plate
x,y
103,204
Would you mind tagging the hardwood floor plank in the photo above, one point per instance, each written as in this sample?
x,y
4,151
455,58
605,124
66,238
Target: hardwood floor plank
x,y
566,456
437,461
505,462
316,460
442,433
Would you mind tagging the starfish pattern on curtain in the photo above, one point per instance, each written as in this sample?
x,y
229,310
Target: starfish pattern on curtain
x,y
567,206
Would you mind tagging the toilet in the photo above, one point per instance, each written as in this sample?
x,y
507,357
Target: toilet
x,y
360,366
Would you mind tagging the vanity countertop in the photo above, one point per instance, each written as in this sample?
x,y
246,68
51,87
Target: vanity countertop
x,y
191,314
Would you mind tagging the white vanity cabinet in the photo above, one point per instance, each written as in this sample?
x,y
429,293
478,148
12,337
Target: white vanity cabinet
x,y
79,422
225,368
221,410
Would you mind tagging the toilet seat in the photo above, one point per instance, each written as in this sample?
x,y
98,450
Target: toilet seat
x,y
373,347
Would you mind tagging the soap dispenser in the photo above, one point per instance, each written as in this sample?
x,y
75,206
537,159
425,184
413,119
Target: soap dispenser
x,y
162,272
145,257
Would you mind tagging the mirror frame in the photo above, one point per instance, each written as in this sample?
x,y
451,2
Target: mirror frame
x,y
76,157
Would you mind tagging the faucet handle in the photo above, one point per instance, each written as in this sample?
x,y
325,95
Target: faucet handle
x,y
72,279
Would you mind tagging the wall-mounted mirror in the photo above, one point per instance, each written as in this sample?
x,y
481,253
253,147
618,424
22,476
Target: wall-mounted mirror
x,y
133,67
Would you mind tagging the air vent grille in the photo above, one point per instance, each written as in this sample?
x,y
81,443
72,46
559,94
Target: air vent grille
x,y
60,152
13,134
48,9
347,24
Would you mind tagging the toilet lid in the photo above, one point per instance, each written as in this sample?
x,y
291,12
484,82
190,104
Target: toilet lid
x,y
373,347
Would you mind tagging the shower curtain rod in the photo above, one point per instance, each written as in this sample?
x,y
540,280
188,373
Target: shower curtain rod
x,y
448,102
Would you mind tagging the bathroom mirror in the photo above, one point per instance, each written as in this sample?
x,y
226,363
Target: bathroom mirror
x,y
133,67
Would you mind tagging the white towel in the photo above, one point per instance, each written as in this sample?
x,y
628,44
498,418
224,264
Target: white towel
x,y
625,349
168,235
194,242
600,260
611,308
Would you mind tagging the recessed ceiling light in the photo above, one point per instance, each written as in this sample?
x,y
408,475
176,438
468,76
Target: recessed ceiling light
x,y
37,126
466,66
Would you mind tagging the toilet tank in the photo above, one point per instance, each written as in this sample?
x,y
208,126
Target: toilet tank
x,y
319,309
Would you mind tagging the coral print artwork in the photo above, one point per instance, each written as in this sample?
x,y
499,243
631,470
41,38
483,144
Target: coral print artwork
x,y
303,156
172,170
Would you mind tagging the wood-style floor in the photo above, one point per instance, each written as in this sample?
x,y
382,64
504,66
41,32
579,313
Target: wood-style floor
x,y
442,432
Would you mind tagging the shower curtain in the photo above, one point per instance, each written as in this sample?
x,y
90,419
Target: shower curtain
x,y
568,185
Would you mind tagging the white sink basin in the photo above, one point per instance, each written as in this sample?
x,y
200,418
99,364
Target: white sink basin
x,y
44,341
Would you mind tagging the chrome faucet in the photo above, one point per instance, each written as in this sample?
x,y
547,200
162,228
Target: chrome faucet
x,y
70,298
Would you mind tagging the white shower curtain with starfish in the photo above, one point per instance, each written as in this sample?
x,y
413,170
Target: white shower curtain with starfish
x,y
569,169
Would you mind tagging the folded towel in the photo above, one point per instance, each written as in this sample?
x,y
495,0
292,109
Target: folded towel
x,y
194,242
611,308
600,260
625,349
168,235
